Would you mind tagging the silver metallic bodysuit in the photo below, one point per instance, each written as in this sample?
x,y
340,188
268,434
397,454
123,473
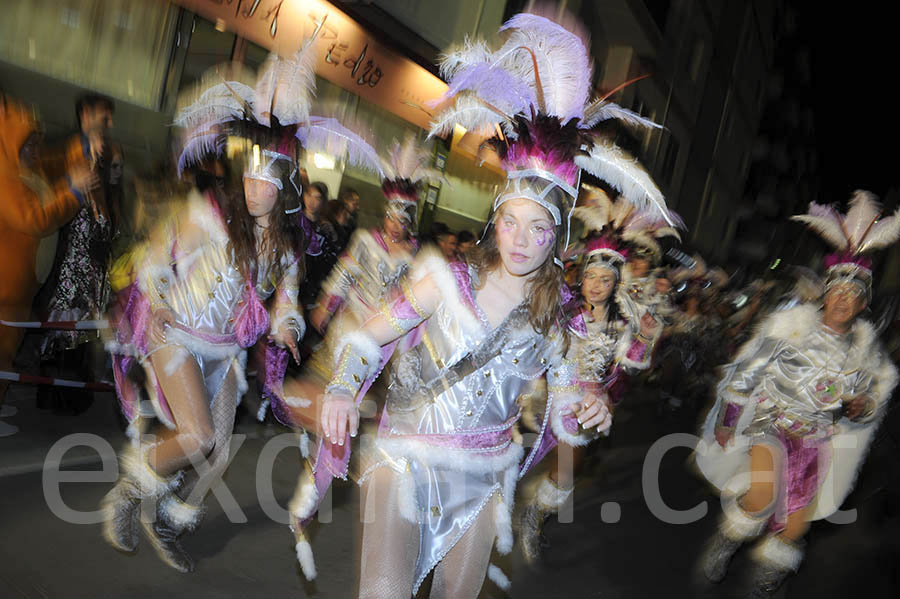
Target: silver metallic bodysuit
x,y
451,408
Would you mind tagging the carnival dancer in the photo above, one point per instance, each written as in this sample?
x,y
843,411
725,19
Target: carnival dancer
x,y
616,340
645,281
439,481
367,276
197,304
798,406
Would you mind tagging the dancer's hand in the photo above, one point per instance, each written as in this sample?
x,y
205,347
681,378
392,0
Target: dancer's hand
x,y
591,412
724,435
160,320
339,415
82,179
649,324
286,337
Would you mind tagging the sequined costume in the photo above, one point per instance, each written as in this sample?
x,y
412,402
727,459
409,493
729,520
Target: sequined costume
x,y
447,431
188,269
789,383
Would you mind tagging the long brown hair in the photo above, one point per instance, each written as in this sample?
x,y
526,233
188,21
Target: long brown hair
x,y
283,236
545,306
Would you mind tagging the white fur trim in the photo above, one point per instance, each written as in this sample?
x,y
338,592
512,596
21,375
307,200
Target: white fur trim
x,y
299,324
550,497
151,484
778,552
201,213
430,262
182,515
625,343
559,430
177,361
737,524
503,523
365,345
261,412
305,559
460,460
408,505
306,498
498,577
304,444
177,336
297,402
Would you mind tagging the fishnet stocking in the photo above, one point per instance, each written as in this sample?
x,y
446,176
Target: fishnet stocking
x,y
390,543
194,487
461,573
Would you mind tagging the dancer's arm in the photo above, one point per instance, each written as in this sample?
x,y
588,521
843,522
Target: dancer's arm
x,y
358,355
575,417
287,326
741,378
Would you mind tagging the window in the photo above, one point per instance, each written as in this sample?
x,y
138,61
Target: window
x,y
117,47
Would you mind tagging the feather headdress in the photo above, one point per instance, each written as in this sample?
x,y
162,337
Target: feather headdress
x,y
272,112
640,227
405,170
533,95
859,232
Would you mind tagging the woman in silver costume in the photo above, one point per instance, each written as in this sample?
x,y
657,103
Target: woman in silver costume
x,y
798,406
195,308
439,481
198,301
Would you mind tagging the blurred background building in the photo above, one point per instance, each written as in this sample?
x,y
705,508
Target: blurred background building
x,y
732,149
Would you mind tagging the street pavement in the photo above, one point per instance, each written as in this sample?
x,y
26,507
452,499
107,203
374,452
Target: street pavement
x,y
614,547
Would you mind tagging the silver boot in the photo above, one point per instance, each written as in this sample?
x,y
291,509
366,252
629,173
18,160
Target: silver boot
x,y
548,499
735,528
122,505
774,560
174,518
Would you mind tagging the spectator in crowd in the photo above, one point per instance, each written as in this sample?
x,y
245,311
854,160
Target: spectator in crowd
x,y
30,209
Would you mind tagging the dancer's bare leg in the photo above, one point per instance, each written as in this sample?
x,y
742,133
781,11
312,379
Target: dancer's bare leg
x,y
762,481
192,438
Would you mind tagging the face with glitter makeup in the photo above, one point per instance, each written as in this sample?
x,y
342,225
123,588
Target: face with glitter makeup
x,y
525,236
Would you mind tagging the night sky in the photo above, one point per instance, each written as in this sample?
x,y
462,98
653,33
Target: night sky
x,y
854,55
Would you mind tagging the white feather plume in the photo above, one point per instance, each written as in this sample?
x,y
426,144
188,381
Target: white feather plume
x,y
469,53
564,65
407,160
827,222
218,102
884,232
864,211
601,110
326,135
470,112
285,87
625,174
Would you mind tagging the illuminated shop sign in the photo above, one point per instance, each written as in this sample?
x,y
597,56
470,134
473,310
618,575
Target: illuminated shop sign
x,y
348,56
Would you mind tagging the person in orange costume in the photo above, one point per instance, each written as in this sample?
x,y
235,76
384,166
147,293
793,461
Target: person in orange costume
x,y
30,209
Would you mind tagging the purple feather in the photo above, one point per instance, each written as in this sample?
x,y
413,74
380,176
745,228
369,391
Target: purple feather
x,y
494,85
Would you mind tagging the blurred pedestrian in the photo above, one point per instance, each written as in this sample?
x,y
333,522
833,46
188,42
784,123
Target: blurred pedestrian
x,y
30,209
78,288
